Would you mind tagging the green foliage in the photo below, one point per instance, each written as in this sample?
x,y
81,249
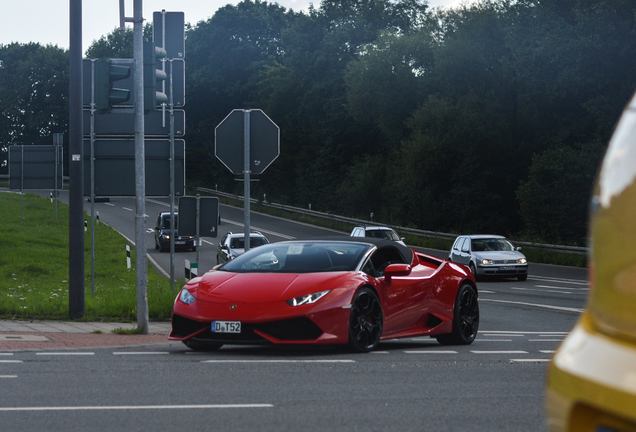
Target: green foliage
x,y
33,95
443,119
34,267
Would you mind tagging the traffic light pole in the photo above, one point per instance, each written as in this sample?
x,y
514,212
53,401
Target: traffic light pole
x,y
140,174
76,167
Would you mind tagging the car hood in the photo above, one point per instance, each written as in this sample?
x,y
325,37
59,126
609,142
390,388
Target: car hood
x,y
499,255
252,288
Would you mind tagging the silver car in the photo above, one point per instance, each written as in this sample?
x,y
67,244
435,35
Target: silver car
x,y
490,255
382,232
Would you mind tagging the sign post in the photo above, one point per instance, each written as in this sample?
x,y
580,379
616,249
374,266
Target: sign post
x,y
247,142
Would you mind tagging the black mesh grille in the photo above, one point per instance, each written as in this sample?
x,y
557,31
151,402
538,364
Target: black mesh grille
x,y
300,329
292,329
182,327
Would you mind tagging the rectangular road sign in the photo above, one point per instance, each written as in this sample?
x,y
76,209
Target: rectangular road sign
x,y
208,216
115,167
168,32
117,124
34,167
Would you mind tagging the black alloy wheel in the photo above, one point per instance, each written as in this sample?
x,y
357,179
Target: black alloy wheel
x,y
365,321
465,318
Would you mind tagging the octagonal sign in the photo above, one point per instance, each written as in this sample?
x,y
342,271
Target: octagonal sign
x,y
229,141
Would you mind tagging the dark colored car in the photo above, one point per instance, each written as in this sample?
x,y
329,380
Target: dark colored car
x,y
162,234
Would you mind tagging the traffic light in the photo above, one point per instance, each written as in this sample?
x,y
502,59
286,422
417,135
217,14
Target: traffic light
x,y
153,76
105,75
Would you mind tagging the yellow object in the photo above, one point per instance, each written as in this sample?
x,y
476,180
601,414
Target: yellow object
x,y
591,384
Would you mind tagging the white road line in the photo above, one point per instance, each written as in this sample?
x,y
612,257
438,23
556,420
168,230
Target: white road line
x,y
8,376
261,230
487,292
126,208
494,340
379,352
503,334
560,280
7,354
140,353
561,288
110,204
541,290
547,351
65,353
134,407
506,332
499,352
545,340
529,360
278,361
10,361
431,352
560,308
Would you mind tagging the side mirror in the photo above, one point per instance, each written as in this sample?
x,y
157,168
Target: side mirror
x,y
518,249
396,270
402,239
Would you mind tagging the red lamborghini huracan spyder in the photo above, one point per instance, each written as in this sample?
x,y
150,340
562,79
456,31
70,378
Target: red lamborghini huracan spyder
x,y
337,290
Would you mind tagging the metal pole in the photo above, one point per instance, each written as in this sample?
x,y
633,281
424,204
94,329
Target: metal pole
x,y
22,181
93,178
76,166
246,174
140,173
171,171
196,238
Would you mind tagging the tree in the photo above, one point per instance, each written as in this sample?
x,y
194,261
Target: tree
x,y
33,95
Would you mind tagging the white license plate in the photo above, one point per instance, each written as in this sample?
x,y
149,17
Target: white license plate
x,y
179,242
506,268
226,327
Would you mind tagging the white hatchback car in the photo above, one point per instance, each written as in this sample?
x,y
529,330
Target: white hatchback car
x,y
382,232
490,255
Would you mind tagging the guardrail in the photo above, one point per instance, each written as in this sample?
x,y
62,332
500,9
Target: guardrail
x,y
418,232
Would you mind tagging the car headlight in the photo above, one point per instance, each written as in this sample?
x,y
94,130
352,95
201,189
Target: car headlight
x,y
166,236
486,262
307,299
522,261
186,297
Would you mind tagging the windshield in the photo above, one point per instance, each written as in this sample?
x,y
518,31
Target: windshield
x,y
383,234
299,257
483,245
239,242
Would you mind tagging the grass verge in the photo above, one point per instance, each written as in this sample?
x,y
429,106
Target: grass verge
x,y
34,268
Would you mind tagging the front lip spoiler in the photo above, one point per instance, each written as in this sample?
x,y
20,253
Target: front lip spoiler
x,y
185,338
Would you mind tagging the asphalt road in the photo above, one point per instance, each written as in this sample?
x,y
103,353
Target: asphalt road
x,y
495,384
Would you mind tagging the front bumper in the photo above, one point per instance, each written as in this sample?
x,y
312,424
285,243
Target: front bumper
x,y
276,323
502,270
591,383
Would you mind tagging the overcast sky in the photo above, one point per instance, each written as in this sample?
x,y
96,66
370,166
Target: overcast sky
x,y
47,21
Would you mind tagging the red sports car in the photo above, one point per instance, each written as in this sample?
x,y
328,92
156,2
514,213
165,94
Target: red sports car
x,y
329,291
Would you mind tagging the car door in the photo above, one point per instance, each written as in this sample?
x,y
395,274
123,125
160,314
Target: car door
x,y
464,252
404,295
457,255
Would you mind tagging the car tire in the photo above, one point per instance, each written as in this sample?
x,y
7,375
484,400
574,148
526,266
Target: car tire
x,y
202,346
161,248
522,278
194,248
465,318
473,270
365,321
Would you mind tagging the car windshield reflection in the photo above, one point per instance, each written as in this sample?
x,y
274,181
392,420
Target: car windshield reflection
x,y
484,245
299,257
